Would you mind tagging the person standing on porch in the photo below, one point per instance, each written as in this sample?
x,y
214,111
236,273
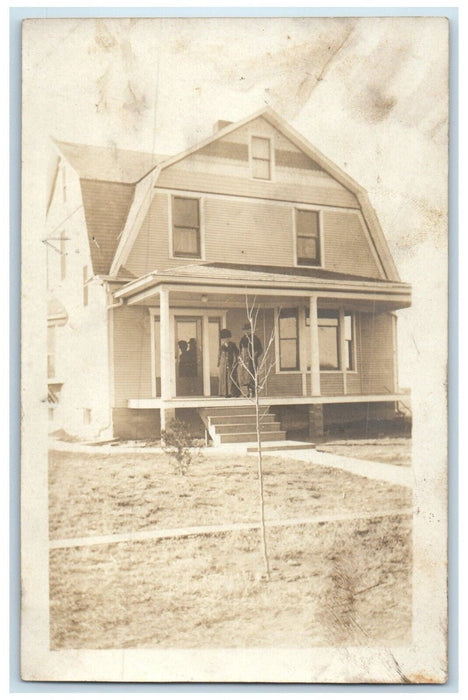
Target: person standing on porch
x,y
250,349
227,364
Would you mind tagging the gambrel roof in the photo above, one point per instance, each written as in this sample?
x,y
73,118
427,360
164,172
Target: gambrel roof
x,y
113,229
107,178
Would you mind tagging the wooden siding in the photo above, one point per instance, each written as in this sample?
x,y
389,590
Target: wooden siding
x,y
132,354
151,248
223,167
241,232
376,339
346,246
238,232
181,178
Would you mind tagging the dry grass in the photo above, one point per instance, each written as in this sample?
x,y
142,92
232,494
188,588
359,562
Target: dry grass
x,y
346,583
391,450
104,494
341,583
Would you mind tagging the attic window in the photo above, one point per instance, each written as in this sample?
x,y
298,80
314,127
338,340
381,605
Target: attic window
x,y
260,158
186,227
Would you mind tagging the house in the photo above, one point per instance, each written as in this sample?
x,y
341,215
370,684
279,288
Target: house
x,y
145,251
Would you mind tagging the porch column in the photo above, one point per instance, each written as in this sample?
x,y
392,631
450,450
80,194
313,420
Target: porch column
x,y
206,356
314,348
167,355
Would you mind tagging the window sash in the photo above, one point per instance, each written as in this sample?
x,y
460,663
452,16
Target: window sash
x,y
186,240
288,340
307,237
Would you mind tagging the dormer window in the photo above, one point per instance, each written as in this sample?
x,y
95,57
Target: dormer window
x,y
260,158
186,241
308,237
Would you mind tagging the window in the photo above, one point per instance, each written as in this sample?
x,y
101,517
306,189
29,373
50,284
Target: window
x,y
328,325
349,341
63,255
85,286
307,237
260,152
288,338
50,352
186,227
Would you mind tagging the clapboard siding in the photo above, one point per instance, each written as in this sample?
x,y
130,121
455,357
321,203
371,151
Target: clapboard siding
x,y
377,353
132,355
243,232
181,178
346,246
238,232
151,248
331,383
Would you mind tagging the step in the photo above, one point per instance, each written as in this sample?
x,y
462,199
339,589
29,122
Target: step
x,y
249,428
238,420
231,410
251,437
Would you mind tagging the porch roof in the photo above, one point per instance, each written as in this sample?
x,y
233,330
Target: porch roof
x,y
215,275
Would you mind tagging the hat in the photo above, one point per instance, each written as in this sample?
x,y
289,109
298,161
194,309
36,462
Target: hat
x,y
225,333
246,327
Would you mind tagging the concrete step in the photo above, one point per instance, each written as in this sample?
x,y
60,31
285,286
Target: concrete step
x,y
238,420
251,437
247,428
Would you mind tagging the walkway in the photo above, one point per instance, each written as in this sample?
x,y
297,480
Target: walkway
x,y
212,529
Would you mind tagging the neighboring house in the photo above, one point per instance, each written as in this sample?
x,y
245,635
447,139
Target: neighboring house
x,y
145,251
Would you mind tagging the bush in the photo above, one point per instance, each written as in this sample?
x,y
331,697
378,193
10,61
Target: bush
x,y
178,443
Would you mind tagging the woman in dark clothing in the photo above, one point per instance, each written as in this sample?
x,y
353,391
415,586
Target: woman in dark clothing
x,y
250,349
227,362
184,359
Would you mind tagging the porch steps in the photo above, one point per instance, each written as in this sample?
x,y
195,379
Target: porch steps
x,y
238,424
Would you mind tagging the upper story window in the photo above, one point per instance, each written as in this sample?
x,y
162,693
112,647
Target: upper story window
x,y
186,241
260,158
288,340
307,237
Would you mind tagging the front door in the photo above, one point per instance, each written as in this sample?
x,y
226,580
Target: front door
x,y
188,337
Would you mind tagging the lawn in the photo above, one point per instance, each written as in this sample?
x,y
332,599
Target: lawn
x,y
333,583
95,494
390,450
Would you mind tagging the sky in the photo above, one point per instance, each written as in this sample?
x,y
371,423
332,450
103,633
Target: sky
x,y
370,93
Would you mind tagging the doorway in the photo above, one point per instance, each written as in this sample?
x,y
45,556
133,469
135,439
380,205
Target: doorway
x,y
188,338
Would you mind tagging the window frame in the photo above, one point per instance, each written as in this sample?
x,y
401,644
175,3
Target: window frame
x,y
319,211
342,312
201,221
270,160
339,367
278,339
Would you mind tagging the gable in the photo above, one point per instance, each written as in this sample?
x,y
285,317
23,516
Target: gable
x,y
223,167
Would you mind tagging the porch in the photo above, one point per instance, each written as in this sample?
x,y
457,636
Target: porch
x,y
325,342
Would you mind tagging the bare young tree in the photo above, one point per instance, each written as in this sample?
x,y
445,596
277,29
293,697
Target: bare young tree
x,y
257,366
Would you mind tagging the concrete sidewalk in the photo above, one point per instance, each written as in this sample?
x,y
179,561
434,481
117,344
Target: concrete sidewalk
x,y
391,473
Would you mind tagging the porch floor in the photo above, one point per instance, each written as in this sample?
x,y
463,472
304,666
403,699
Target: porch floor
x,y
218,401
